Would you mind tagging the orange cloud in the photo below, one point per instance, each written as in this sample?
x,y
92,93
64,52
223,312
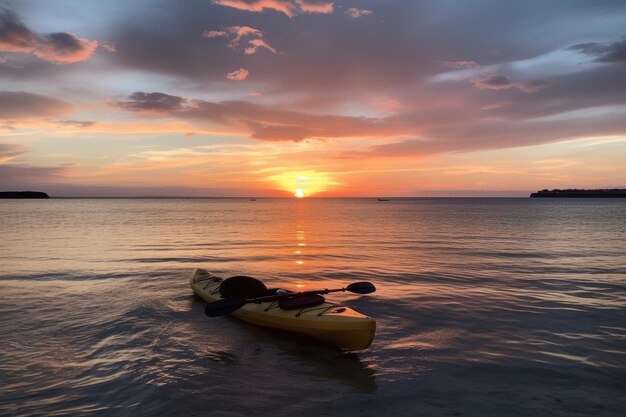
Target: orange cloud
x,y
58,47
65,48
290,8
355,13
108,46
237,33
320,6
238,75
256,44
9,151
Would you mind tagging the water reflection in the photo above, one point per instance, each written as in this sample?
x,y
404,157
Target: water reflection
x,y
508,303
300,243
306,357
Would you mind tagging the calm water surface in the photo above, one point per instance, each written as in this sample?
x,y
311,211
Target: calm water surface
x,y
485,307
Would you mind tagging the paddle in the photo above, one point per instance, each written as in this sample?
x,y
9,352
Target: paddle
x,y
229,305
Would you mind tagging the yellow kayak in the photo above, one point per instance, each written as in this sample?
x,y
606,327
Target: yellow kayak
x,y
330,323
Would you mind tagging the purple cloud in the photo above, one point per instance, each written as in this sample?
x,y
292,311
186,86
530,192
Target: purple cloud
x,y
604,52
58,47
503,82
22,105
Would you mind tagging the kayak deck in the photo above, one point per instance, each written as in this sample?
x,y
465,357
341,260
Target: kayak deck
x,y
331,323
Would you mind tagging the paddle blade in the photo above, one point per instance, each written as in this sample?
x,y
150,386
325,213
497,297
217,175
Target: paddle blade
x,y
361,287
224,306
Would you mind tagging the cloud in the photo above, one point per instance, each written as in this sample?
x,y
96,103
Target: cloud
x,y
214,33
255,44
14,36
459,64
316,6
22,105
503,82
280,132
290,8
238,75
108,46
604,52
462,127
9,151
77,123
64,48
58,47
407,147
357,63
355,13
260,122
493,82
159,103
532,86
15,177
237,33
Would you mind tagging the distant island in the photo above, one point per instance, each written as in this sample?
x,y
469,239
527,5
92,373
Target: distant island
x,y
573,193
23,194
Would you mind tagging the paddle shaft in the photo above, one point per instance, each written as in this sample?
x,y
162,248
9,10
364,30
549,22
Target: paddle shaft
x,y
268,298
229,305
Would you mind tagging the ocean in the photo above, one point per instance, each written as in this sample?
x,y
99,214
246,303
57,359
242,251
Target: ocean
x,y
485,307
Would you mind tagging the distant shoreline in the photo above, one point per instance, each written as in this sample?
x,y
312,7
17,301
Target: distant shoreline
x,y
573,193
570,193
23,194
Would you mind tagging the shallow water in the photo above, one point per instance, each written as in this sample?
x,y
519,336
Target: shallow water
x,y
485,307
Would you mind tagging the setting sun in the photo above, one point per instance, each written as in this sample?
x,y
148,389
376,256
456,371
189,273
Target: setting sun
x,y
304,182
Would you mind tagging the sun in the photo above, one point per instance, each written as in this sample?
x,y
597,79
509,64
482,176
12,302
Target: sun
x,y
303,183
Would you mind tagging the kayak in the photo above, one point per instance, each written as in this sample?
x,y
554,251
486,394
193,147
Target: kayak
x,y
328,322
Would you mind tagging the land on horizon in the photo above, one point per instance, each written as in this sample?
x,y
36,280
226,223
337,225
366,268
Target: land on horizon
x,y
578,193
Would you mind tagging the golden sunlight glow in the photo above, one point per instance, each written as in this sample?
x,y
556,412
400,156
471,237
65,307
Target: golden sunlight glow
x,y
304,182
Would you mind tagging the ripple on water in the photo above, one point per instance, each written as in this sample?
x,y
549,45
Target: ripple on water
x,y
505,307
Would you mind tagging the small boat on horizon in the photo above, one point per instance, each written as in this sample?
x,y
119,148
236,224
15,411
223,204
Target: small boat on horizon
x,y
383,199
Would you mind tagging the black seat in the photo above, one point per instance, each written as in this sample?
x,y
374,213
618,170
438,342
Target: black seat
x,y
300,301
241,286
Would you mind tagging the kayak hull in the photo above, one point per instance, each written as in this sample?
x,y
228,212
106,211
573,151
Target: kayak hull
x,y
331,323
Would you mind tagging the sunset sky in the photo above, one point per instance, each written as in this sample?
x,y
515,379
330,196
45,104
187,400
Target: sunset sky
x,y
334,98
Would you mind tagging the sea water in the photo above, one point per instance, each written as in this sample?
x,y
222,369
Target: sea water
x,y
485,307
